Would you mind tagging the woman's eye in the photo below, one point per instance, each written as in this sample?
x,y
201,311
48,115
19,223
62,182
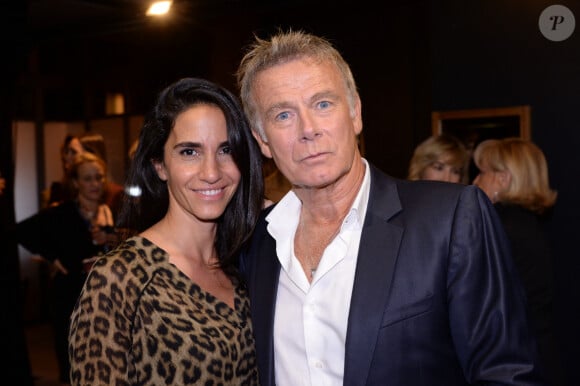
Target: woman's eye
x,y
188,152
437,166
226,150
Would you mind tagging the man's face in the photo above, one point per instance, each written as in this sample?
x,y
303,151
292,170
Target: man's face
x,y
311,131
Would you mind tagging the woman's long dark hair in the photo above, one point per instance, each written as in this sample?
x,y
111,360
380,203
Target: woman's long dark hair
x,y
240,216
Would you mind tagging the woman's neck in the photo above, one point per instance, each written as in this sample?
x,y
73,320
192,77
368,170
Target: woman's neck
x,y
193,241
88,207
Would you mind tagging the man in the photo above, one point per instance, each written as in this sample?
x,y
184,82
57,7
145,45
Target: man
x,y
357,278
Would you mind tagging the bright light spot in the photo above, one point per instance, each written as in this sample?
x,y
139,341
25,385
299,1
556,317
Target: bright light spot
x,y
159,8
133,191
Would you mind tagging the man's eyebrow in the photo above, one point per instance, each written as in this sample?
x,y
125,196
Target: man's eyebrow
x,y
319,95
279,106
324,95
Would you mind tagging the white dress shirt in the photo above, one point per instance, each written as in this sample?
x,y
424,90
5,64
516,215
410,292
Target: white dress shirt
x,y
310,323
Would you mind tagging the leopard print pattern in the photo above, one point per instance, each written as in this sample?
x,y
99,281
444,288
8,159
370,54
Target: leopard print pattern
x,y
140,321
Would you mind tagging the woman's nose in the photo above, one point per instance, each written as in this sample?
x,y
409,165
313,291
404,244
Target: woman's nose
x,y
210,171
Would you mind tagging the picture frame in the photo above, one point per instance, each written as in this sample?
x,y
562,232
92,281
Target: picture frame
x,y
472,126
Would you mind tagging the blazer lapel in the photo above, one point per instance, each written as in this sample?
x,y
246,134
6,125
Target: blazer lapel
x,y
263,296
377,255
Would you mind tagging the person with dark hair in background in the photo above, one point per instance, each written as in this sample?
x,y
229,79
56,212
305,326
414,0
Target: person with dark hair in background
x,y
72,145
167,306
69,235
440,158
513,172
275,184
358,278
59,191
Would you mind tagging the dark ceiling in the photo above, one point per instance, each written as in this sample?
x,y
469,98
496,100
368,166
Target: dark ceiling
x,y
75,51
72,52
86,18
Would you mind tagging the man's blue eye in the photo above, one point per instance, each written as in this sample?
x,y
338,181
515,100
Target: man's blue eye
x,y
324,104
283,116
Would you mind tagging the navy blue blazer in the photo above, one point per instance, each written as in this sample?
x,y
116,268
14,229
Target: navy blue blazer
x,y
436,300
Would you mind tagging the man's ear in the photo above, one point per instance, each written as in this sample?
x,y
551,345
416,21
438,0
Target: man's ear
x,y
160,169
264,146
357,117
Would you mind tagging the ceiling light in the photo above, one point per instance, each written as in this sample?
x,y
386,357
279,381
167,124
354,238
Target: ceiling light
x,y
159,8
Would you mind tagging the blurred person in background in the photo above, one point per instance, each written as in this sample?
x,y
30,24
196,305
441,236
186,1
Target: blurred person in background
x,y
440,158
513,172
114,192
275,184
59,190
70,234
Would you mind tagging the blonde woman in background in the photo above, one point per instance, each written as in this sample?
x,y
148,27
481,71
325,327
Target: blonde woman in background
x,y
69,234
513,172
440,158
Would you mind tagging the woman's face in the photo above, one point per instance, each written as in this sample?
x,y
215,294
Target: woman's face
x,y
91,181
70,152
198,165
442,170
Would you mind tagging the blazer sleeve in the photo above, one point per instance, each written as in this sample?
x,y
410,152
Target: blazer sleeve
x,y
487,308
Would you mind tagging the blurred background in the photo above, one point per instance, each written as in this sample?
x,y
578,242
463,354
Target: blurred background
x,y
75,66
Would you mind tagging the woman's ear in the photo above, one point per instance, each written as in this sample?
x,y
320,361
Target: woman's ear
x,y
505,179
160,169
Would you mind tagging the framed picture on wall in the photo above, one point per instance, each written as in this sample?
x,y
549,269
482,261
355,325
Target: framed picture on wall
x,y
475,125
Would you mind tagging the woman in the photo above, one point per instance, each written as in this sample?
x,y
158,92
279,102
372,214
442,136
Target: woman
x,y
439,158
114,193
59,190
166,307
513,173
69,235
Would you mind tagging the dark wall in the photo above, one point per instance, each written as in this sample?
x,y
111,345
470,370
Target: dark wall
x,y
17,365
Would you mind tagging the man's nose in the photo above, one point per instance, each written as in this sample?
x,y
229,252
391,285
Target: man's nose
x,y
308,127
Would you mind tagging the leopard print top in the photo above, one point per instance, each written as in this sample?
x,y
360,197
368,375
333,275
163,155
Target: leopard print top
x,y
140,321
